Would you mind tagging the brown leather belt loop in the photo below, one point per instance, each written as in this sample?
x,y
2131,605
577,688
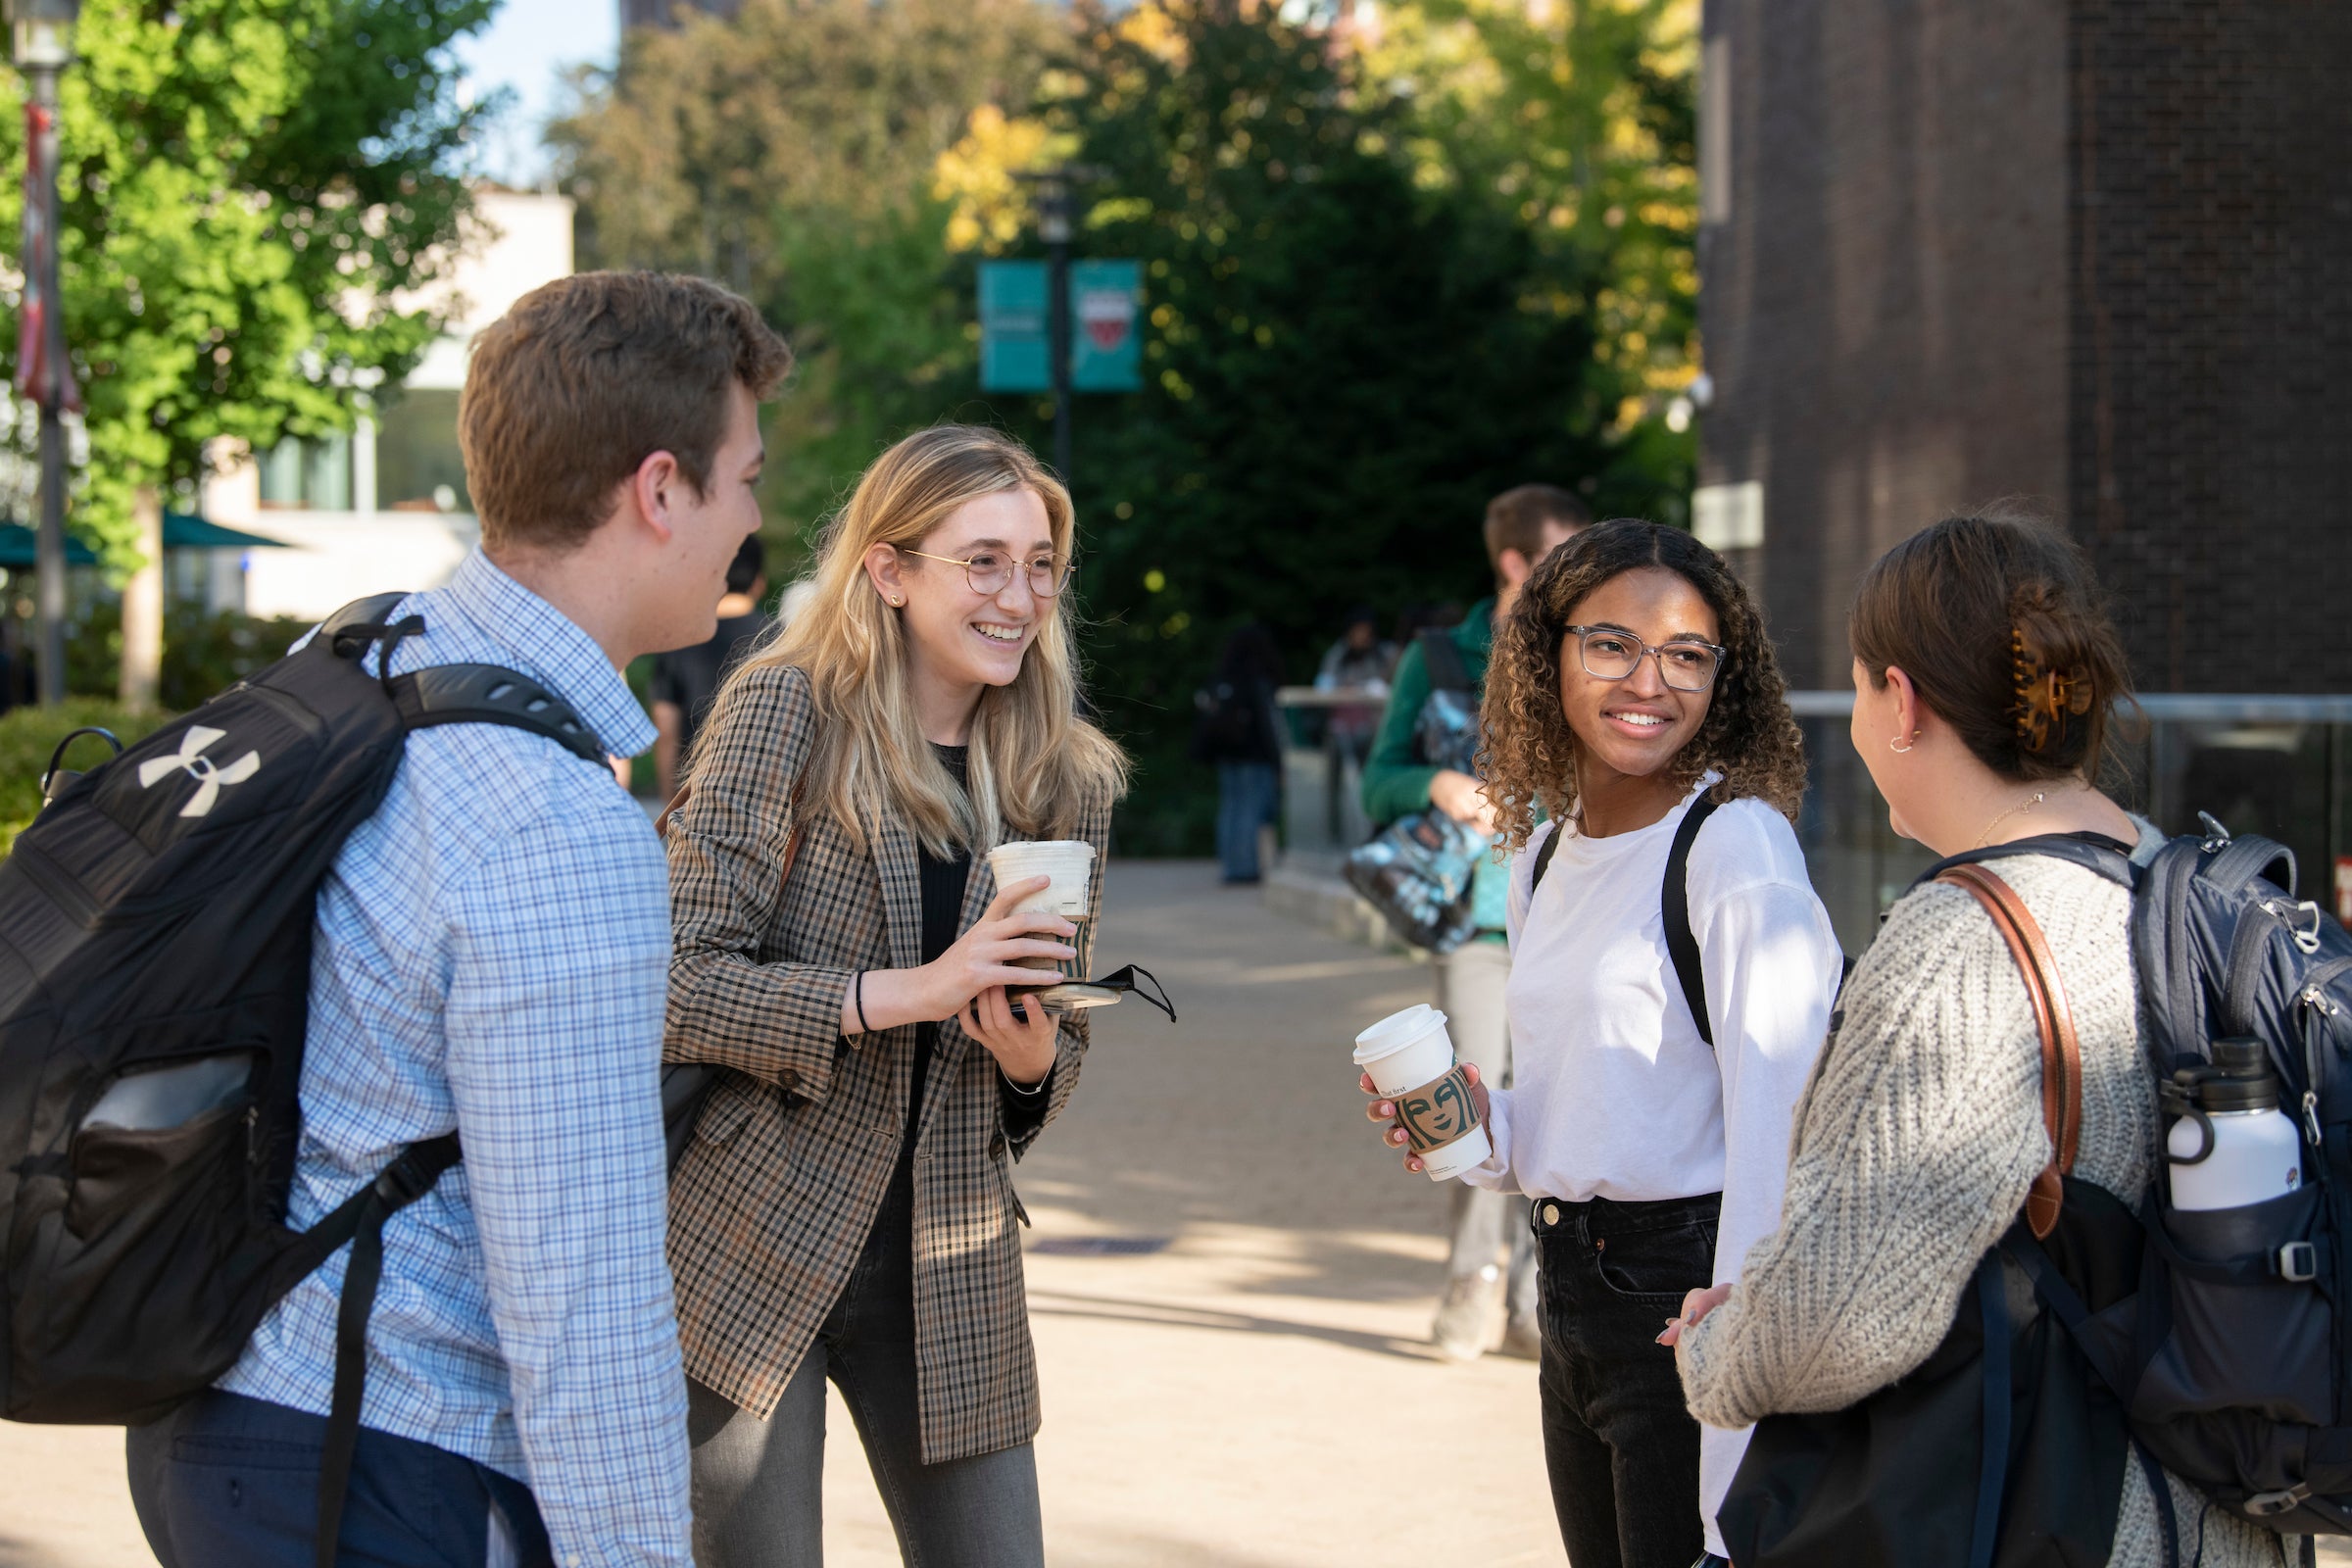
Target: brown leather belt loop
x,y
2053,1020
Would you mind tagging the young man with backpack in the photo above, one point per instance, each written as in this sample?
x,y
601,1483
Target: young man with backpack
x,y
1522,525
488,957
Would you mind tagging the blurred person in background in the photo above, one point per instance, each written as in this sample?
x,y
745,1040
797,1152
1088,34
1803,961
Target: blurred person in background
x,y
1522,525
685,680
1238,729
1359,662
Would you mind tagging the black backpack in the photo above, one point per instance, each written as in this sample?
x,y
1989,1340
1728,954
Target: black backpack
x,y
2235,1360
155,967
2221,1340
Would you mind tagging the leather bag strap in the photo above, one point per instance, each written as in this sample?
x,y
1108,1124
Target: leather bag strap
x,y
2053,1020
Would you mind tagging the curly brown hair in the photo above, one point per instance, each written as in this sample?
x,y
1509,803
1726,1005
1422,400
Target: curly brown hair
x,y
1528,758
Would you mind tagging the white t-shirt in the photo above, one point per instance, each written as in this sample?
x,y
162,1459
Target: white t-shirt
x,y
1613,1093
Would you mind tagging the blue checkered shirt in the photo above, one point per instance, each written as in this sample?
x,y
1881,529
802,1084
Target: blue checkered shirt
x,y
492,948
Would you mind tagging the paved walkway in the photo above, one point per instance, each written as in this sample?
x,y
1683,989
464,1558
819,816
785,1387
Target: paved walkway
x,y
1254,1393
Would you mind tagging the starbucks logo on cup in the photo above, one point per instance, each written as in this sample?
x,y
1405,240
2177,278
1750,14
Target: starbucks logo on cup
x,y
1438,1114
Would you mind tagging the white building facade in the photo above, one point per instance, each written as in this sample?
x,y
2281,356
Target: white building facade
x,y
385,506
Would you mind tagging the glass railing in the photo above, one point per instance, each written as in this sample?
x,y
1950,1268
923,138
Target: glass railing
x,y
2276,765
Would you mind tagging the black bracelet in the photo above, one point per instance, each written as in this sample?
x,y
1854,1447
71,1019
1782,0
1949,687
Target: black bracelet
x,y
863,1027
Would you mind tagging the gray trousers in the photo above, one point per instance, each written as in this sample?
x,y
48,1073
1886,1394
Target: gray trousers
x,y
758,1486
1486,1227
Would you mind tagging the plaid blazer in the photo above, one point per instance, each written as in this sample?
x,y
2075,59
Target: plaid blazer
x,y
796,1145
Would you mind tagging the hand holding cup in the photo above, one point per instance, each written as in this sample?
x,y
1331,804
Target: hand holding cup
x,y
984,955
1384,1111
1435,1105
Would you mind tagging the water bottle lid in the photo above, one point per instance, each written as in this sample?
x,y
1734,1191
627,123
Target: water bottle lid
x,y
2240,1077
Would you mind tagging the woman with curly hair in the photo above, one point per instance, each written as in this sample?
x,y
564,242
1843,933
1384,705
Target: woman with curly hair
x,y
1634,696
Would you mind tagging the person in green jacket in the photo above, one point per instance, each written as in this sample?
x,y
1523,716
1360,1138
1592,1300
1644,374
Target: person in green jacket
x,y
1522,525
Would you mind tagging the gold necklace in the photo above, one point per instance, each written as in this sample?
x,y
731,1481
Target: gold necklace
x,y
2027,805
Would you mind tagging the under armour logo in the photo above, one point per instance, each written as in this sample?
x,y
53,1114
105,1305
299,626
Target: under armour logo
x,y
192,762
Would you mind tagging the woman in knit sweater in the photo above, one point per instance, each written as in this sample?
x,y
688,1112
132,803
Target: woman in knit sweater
x,y
1983,674
1632,679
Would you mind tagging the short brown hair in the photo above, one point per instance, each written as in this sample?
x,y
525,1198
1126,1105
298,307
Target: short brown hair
x,y
588,376
1999,624
1516,517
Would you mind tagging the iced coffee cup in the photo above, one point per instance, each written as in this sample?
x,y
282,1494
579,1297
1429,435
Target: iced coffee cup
x,y
1071,863
1409,1057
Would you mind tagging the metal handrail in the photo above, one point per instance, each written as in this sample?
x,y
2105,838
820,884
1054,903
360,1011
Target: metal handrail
x,y
1333,697
2189,708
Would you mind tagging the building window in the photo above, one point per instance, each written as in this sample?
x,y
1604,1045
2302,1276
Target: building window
x,y
308,472
418,464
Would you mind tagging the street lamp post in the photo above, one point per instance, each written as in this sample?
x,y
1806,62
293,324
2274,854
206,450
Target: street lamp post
x,y
1057,207
1053,203
43,40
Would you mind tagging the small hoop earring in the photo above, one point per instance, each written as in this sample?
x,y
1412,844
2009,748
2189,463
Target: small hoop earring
x,y
1904,751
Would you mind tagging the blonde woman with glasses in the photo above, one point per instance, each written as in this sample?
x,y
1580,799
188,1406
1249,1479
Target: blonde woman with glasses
x,y
844,1209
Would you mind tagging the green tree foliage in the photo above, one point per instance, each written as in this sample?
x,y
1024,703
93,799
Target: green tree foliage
x,y
789,152
247,184
1386,280
1353,345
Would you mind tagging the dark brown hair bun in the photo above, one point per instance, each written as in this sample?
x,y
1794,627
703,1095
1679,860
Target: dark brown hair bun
x,y
1999,624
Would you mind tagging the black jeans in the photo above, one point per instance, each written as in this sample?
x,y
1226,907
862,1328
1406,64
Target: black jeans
x,y
1621,1448
758,1488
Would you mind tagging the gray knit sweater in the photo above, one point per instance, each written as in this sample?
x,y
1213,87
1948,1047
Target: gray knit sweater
x,y
1915,1144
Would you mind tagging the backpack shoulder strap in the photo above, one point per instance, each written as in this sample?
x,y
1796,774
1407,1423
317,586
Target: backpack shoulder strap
x,y
362,612
1674,897
1444,661
485,694
1551,843
2242,860
360,1220
2054,1021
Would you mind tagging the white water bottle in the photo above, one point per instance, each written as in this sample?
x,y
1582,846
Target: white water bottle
x,y
2233,1145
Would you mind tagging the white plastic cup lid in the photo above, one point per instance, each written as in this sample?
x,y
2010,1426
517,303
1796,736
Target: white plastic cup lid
x,y
1396,1032
1044,854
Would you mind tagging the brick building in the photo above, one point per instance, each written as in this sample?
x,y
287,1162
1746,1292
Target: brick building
x,y
2090,254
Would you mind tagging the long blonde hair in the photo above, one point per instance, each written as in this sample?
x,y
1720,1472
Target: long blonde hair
x,y
1035,763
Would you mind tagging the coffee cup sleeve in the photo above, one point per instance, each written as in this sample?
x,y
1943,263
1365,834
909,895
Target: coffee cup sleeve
x,y
1438,1113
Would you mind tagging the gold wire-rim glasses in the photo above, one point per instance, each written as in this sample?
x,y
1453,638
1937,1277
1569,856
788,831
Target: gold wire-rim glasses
x,y
1059,580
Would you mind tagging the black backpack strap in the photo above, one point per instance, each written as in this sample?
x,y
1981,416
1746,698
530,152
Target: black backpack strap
x,y
362,614
361,1220
1675,898
1444,661
2170,995
1551,841
2093,851
485,694
2242,860
1993,1460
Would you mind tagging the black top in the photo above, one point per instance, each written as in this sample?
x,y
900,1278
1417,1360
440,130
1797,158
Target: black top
x,y
944,880
689,677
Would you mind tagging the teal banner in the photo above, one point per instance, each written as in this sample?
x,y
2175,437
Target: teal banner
x,y
1016,353
1106,340
1106,327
